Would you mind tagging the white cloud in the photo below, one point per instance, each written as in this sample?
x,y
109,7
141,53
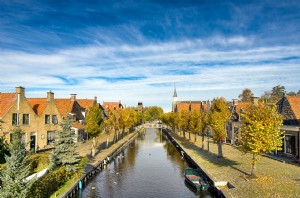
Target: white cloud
x,y
198,71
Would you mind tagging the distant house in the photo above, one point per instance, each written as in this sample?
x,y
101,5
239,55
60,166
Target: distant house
x,y
139,107
38,117
233,125
111,107
289,108
178,106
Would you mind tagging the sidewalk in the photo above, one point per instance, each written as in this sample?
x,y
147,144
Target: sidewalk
x,y
275,179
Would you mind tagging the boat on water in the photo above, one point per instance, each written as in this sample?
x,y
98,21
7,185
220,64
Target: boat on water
x,y
196,179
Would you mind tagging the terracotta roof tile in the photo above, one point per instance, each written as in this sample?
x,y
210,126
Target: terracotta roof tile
x,y
78,125
64,106
38,104
85,103
242,105
111,106
6,101
295,105
188,106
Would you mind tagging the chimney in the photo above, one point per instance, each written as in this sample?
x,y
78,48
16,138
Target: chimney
x,y
235,102
95,100
50,96
73,97
255,100
20,90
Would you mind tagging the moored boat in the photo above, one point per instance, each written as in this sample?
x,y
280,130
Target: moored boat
x,y
196,179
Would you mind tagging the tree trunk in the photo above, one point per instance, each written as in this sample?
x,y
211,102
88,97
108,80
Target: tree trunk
x,y
107,140
254,160
207,143
189,135
195,138
220,152
202,141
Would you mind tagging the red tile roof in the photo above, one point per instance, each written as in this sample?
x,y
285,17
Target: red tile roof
x,y
85,103
188,106
6,101
295,105
242,105
64,106
38,104
78,125
112,106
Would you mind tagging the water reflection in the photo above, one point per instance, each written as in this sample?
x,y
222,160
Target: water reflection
x,y
149,167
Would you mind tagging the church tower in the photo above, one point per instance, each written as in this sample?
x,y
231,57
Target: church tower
x,y
174,109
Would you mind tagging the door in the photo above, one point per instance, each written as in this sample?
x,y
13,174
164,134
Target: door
x,y
32,142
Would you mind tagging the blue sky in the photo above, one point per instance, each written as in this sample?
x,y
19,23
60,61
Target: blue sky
x,y
138,50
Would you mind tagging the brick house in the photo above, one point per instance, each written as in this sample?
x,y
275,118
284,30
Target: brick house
x,y
178,106
111,107
289,108
233,125
38,117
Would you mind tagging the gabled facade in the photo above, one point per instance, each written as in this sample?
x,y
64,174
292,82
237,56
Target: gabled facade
x,y
38,117
17,112
289,108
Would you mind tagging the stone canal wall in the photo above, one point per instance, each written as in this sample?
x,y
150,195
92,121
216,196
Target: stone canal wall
x,y
193,164
98,166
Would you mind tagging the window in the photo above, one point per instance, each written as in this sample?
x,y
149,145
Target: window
x,y
47,119
290,145
25,119
50,137
54,119
14,119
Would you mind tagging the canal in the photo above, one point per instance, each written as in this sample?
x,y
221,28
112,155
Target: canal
x,y
149,167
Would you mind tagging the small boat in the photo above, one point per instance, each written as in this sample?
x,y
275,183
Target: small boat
x,y
196,179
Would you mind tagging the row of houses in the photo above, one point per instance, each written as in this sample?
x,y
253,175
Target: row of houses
x,y
288,107
39,118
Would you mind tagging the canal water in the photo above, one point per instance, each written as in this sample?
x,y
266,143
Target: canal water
x,y
149,167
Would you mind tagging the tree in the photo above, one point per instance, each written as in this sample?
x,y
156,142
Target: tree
x,y
205,130
94,120
169,119
195,123
291,93
184,121
64,152
153,113
218,118
246,95
4,150
128,119
277,92
107,125
260,132
17,169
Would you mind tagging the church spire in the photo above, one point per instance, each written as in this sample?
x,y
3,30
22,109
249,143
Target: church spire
x,y
175,93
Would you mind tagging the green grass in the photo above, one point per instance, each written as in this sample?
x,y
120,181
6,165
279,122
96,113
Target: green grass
x,y
64,188
274,178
